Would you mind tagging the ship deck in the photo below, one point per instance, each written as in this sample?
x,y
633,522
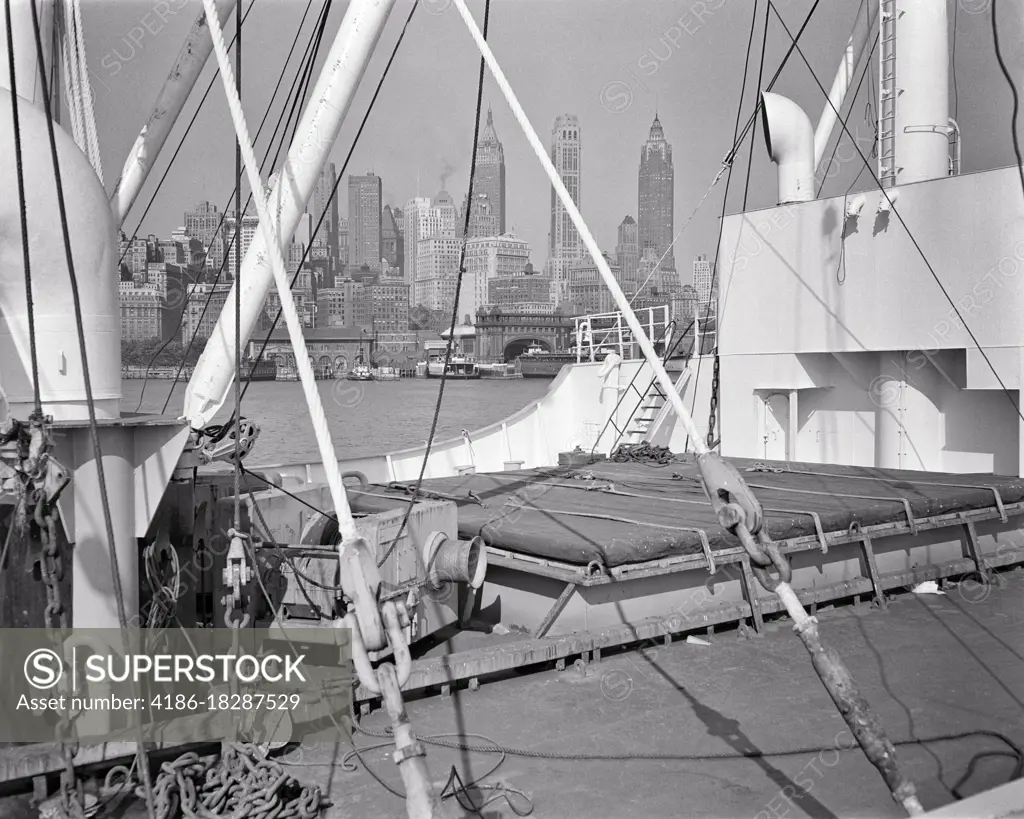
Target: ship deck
x,y
721,719
930,667
614,514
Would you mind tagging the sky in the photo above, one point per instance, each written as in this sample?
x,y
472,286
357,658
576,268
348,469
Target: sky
x,y
610,62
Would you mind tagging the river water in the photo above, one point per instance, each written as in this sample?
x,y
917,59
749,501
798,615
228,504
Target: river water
x,y
364,418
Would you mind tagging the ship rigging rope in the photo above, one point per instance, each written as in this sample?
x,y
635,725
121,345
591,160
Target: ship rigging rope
x,y
86,376
237,465
334,189
899,216
220,223
449,347
868,115
346,524
760,77
174,156
1013,91
19,165
697,335
302,78
731,156
80,96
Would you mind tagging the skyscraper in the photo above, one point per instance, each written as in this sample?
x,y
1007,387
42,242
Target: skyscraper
x,y
489,179
425,220
627,254
320,201
565,247
202,223
702,278
393,249
657,180
250,224
364,221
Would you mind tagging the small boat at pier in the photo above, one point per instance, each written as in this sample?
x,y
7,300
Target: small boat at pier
x,y
360,373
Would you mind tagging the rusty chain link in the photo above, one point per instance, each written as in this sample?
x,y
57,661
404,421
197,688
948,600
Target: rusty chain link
x,y
39,470
713,415
241,782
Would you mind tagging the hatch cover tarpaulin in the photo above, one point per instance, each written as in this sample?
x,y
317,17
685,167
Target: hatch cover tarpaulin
x,y
175,685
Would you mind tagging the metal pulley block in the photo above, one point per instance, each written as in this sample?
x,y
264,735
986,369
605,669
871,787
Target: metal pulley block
x,y
360,582
237,573
223,449
729,494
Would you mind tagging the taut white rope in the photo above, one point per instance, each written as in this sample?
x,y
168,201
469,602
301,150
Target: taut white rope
x,y
85,89
588,240
346,525
78,87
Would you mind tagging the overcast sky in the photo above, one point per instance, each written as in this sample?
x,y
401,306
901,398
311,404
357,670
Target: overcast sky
x,y
610,62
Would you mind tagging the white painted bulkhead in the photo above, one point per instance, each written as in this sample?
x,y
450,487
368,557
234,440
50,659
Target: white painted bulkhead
x,y
842,315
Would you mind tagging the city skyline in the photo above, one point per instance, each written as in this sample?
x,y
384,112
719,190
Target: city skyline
x,y
415,132
689,64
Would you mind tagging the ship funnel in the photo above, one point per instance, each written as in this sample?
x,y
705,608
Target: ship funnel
x,y
790,139
455,561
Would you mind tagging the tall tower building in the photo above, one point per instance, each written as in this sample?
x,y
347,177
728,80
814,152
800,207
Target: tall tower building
x,y
702,278
202,222
415,213
319,202
364,221
627,254
657,181
565,246
394,244
250,224
489,179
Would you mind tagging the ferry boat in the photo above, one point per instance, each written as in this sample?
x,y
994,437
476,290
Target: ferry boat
x,y
828,452
537,362
387,374
500,371
360,372
286,372
459,367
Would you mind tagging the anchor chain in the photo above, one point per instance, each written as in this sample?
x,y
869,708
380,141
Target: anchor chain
x,y
740,514
242,781
38,480
713,415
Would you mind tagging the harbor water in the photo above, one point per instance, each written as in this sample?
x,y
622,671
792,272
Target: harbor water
x,y
365,418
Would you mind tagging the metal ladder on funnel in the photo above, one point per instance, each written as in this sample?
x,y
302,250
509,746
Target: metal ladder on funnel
x,y
887,94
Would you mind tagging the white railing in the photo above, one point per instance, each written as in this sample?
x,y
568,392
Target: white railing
x,y
611,333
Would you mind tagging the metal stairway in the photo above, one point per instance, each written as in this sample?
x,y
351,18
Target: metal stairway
x,y
644,415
